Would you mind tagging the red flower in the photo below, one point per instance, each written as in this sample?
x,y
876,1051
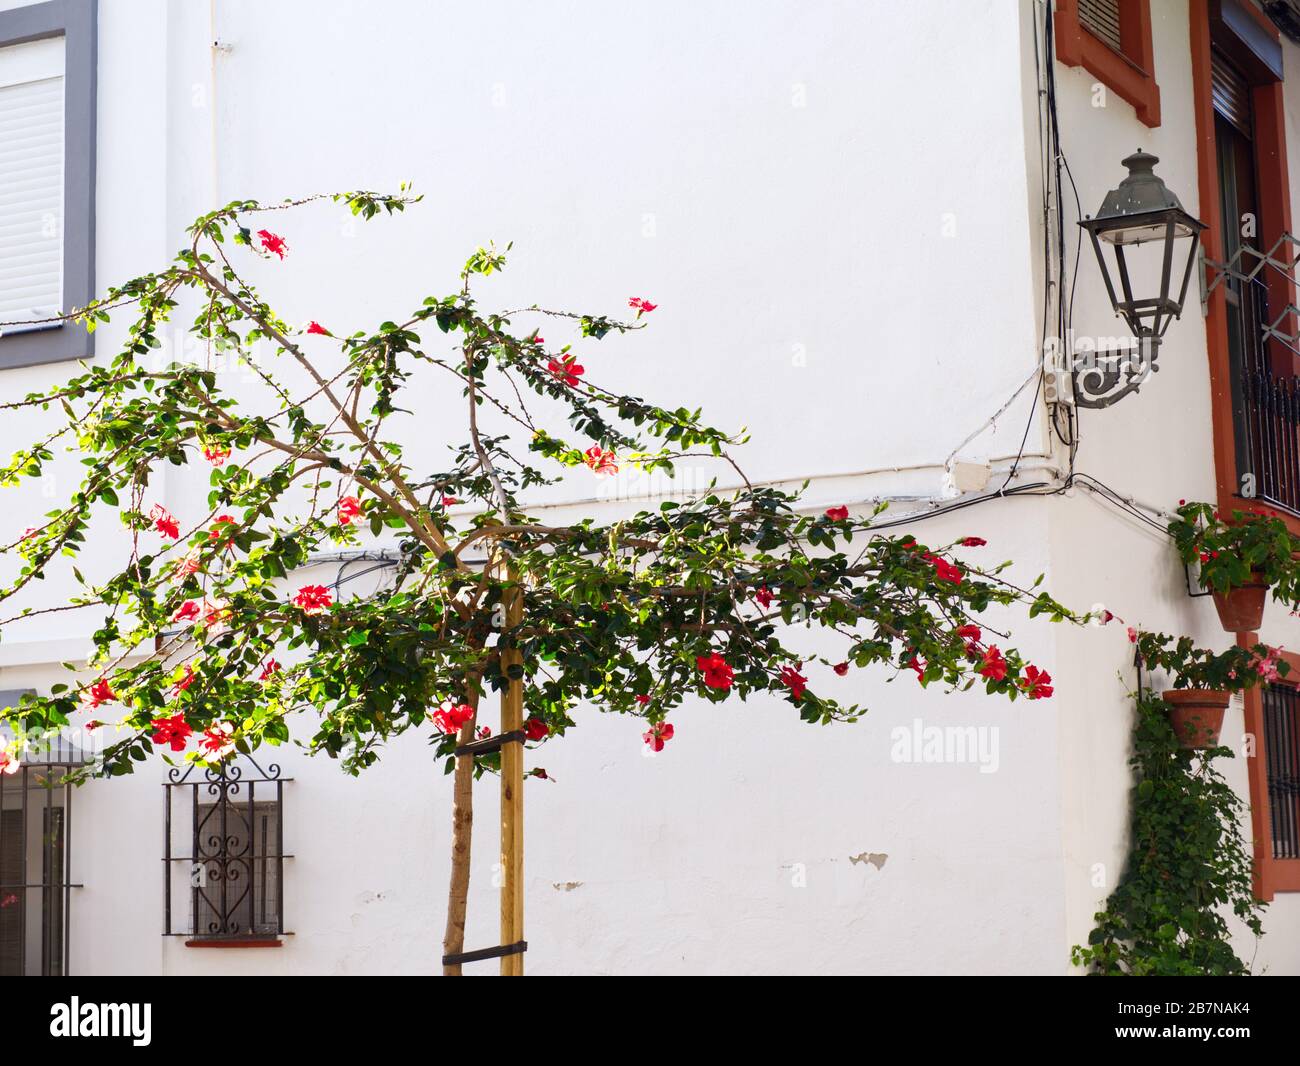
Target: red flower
x,y
1036,683
484,731
269,670
163,521
314,599
216,454
272,242
218,740
602,463
349,508
185,682
315,327
173,731
944,570
1107,617
968,632
98,693
642,306
657,735
1132,635
536,729
188,613
994,666
222,520
717,674
641,699
837,514
93,724
187,566
763,597
841,668
452,718
449,501
974,542
566,369
916,663
794,681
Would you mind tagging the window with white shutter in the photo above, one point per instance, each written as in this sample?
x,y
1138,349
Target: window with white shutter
x,y
31,183
47,179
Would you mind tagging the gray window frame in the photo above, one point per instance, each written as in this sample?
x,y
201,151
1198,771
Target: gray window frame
x,y
76,22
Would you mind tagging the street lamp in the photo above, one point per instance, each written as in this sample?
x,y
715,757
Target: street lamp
x,y
1141,210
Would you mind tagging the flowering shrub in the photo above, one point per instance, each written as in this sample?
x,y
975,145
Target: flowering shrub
x,y
1191,667
694,598
1249,548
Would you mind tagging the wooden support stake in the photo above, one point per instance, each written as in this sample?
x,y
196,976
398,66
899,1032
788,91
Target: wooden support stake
x,y
512,797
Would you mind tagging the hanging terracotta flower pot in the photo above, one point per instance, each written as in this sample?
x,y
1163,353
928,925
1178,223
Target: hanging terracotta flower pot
x,y
1196,715
1242,609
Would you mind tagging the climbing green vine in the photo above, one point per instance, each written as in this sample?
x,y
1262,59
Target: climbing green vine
x,y
1188,865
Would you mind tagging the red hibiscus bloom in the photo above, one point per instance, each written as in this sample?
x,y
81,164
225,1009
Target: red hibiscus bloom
x,y
216,454
98,693
602,463
916,663
93,724
313,599
173,731
1036,683
188,612
449,501
349,508
315,327
658,735
185,682
567,370
794,681
163,521
994,666
944,570
269,670
763,597
968,632
187,566
642,699
841,668
974,542
272,242
218,740
450,719
837,514
536,729
484,731
717,673
216,533
643,307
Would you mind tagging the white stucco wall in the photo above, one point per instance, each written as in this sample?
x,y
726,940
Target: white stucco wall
x,y
834,205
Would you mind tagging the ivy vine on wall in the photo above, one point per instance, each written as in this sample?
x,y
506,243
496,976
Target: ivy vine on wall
x,y
1187,869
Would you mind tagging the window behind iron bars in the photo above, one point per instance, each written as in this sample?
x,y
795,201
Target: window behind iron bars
x,y
1282,749
224,852
35,863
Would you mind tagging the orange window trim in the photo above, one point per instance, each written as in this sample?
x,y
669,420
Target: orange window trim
x,y
1275,219
1271,875
1129,74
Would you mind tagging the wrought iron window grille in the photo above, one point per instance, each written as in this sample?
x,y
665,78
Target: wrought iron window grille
x,y
1266,402
36,859
1281,705
232,868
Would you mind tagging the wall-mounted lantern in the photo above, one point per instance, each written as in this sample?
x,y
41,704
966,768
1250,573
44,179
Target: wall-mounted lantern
x,y
1140,211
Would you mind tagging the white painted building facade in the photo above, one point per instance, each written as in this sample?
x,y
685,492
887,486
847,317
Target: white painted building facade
x,y
838,207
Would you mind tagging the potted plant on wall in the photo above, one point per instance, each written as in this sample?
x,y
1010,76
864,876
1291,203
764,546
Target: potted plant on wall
x,y
1240,560
1204,681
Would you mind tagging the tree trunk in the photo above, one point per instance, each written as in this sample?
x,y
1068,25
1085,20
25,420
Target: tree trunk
x,y
462,831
